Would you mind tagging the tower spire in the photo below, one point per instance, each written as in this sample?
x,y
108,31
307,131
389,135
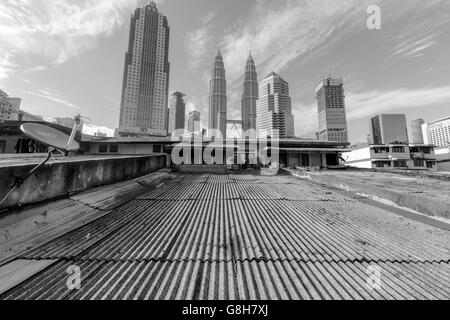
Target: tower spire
x,y
249,97
218,97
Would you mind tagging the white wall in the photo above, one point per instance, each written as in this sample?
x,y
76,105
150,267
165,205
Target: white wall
x,y
361,164
357,154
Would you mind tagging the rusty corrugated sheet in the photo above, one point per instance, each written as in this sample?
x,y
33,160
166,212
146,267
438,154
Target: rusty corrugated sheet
x,y
240,280
244,237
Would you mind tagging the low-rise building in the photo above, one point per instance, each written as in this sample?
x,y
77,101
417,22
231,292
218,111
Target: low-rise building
x,y
392,156
26,116
14,141
443,158
9,107
68,123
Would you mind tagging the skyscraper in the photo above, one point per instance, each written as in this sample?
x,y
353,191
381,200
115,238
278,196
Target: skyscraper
x,y
218,97
177,112
389,128
437,132
416,131
143,107
194,122
331,109
249,97
274,108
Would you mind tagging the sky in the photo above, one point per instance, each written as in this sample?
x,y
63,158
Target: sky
x,y
65,57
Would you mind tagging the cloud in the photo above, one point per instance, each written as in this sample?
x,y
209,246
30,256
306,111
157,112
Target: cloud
x,y
367,103
208,17
91,129
6,64
57,29
362,104
305,120
278,33
413,47
419,32
53,97
197,41
190,106
197,45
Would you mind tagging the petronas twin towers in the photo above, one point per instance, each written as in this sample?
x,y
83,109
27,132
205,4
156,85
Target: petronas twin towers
x,y
249,97
218,98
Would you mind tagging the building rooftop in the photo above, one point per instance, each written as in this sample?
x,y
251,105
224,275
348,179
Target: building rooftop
x,y
365,145
272,74
439,120
231,236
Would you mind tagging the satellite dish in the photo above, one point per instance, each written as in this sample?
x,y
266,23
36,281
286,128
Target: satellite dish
x,y
49,136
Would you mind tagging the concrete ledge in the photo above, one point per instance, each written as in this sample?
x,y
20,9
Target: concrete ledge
x,y
67,176
35,225
198,168
422,204
445,176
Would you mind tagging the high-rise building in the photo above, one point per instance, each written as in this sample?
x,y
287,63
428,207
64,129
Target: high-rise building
x,y
331,109
274,108
9,107
218,97
177,112
416,131
249,97
146,75
389,128
194,122
437,132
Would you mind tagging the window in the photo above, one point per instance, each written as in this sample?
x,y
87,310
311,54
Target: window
x,y
430,165
382,164
400,164
103,148
2,146
418,163
398,149
114,148
381,150
157,148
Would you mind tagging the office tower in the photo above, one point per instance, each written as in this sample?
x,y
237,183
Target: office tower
x,y
389,128
143,107
437,132
331,109
249,97
194,122
9,107
218,97
416,131
274,109
177,112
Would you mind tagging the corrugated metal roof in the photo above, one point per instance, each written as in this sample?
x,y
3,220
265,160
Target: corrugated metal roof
x,y
247,280
244,237
311,149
